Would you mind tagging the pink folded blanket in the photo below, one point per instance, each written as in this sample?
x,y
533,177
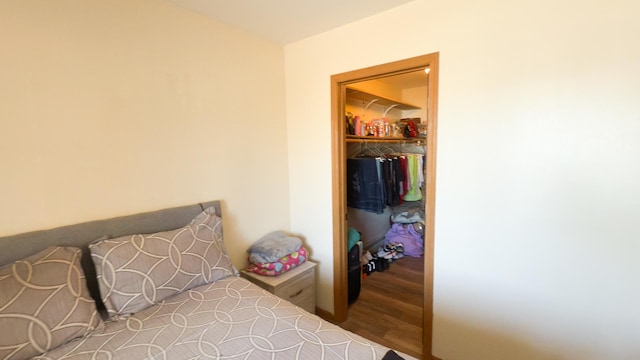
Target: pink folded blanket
x,y
281,265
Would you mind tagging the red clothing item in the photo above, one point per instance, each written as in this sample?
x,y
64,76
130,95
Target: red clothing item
x,y
405,174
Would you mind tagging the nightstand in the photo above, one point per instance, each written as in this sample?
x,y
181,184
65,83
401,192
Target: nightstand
x,y
296,286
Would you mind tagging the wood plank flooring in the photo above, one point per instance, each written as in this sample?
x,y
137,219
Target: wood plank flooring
x,y
389,308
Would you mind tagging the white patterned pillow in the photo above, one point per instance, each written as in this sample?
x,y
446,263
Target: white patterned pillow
x,y
44,302
137,271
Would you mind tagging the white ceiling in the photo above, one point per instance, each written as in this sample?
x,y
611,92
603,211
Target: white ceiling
x,y
287,21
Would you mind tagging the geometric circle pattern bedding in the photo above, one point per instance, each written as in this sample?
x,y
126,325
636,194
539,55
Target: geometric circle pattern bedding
x,y
228,319
137,271
44,302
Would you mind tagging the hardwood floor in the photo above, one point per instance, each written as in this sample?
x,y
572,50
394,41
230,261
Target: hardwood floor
x,y
389,308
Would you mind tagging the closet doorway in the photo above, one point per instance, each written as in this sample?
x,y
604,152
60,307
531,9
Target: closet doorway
x,y
339,88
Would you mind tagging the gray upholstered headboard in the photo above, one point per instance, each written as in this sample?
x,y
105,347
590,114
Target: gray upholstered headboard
x,y
19,246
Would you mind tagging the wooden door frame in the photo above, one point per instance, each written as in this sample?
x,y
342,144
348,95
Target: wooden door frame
x,y
340,266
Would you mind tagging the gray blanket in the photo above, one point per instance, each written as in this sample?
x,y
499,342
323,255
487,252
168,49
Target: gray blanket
x,y
272,247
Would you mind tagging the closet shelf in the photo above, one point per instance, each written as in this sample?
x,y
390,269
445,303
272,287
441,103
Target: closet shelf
x,y
379,100
395,140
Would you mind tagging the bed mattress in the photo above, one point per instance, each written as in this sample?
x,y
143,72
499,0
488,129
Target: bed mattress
x,y
228,319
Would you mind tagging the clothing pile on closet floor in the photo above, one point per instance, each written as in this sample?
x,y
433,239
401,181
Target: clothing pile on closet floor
x,y
276,253
407,229
404,238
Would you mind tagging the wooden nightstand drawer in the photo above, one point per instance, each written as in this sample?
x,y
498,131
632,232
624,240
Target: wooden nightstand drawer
x,y
296,286
298,289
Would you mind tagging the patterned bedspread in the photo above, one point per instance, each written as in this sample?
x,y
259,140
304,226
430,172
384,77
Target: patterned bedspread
x,y
228,319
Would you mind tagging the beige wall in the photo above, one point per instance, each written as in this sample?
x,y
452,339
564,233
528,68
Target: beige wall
x,y
114,107
538,177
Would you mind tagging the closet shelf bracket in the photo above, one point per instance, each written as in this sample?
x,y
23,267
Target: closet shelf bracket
x,y
388,109
370,103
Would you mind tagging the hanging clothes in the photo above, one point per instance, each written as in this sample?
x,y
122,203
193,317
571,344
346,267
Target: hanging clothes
x,y
376,182
414,167
365,190
389,176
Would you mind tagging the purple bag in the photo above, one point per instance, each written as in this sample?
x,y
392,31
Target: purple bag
x,y
408,237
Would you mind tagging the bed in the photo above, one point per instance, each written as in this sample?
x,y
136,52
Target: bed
x,y
155,285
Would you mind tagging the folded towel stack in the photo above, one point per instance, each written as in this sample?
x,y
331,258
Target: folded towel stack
x,y
276,253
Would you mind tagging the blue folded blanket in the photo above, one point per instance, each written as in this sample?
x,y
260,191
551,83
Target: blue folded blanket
x,y
272,247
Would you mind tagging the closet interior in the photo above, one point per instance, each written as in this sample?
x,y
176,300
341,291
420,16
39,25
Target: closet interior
x,y
385,124
385,150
